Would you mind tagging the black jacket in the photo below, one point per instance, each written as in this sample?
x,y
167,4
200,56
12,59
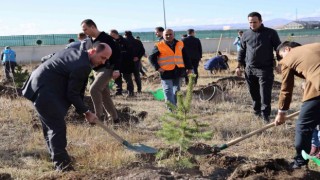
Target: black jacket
x,y
176,72
114,60
137,47
127,63
257,48
193,47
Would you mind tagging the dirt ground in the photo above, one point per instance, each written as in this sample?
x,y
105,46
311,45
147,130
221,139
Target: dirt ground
x,y
209,165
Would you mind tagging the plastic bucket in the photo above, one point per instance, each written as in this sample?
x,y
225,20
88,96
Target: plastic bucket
x,y
158,94
111,84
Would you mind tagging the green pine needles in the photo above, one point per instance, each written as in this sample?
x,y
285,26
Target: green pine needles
x,y
20,76
179,127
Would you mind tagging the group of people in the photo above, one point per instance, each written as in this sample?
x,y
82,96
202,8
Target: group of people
x,y
60,81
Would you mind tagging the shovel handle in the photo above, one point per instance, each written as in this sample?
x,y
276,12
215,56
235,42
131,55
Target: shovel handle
x,y
112,133
235,141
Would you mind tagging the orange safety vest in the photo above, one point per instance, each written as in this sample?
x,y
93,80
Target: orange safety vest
x,y
168,59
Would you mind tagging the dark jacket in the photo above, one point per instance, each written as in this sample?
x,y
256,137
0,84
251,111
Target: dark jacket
x,y
114,60
127,63
137,47
216,63
257,48
193,47
60,80
176,72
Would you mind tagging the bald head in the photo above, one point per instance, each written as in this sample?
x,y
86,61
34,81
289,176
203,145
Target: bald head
x,y
168,35
99,54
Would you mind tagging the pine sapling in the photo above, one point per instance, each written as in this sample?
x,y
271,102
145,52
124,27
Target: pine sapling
x,y
178,126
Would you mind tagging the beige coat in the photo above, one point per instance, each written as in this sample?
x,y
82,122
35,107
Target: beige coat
x,y
304,62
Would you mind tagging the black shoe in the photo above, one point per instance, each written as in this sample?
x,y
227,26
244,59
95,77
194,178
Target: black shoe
x,y
64,166
116,121
130,94
118,94
294,165
266,119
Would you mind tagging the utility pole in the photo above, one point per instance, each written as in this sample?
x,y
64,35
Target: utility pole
x,y
164,15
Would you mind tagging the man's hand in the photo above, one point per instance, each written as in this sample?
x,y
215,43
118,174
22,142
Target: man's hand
x,y
238,72
115,74
189,71
91,117
280,118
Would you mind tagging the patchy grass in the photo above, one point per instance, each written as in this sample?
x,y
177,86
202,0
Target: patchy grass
x,y
97,155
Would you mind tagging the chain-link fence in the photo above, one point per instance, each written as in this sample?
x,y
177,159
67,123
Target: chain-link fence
x,y
60,39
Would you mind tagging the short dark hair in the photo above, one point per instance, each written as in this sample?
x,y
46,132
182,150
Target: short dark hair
x,y
240,31
114,31
82,35
159,28
128,33
71,40
89,23
255,14
225,58
190,31
291,44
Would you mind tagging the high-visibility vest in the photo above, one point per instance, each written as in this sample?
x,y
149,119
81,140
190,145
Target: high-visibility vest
x,y
168,59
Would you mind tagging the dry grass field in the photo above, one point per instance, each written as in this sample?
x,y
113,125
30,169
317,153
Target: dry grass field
x,y
97,155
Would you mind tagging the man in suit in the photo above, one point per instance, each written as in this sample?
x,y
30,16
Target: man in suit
x,y
54,86
304,62
194,49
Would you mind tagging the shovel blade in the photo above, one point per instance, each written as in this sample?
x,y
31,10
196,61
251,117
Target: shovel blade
x,y
140,148
307,156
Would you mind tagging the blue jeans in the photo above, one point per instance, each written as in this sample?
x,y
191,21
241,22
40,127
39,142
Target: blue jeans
x,y
170,88
315,138
308,119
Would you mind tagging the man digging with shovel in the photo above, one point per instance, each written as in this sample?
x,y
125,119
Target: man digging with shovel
x,y
54,86
304,62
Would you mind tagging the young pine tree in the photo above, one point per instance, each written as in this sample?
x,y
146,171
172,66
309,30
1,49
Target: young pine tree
x,y
179,127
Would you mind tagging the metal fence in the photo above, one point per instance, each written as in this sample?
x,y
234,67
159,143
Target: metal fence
x,y
60,39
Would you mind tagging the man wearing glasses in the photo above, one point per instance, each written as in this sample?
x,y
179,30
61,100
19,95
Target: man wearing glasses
x,y
170,59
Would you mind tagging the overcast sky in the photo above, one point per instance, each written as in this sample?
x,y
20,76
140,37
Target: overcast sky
x,y
18,17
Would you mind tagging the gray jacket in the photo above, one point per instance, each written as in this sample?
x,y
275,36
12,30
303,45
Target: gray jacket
x,y
61,79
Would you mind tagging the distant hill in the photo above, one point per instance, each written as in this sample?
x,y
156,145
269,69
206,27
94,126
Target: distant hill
x,y
273,23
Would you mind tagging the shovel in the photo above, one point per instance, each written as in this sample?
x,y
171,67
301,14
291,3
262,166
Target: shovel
x,y
313,158
216,149
140,148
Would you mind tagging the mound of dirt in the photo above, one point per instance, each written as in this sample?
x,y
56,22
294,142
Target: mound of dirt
x,y
5,176
126,114
9,92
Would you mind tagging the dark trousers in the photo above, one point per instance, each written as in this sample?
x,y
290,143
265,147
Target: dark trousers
x,y
309,118
9,67
51,111
136,73
259,82
195,64
128,78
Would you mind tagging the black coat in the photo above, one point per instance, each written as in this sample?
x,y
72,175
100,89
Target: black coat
x,y
127,63
192,46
